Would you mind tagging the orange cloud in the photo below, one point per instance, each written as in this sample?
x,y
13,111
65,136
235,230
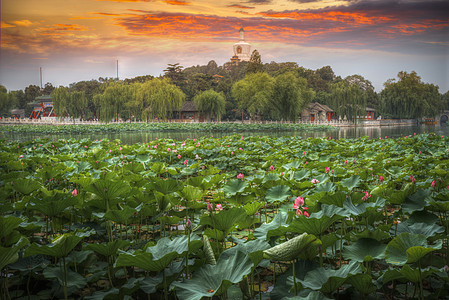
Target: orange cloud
x,y
241,6
339,16
61,29
5,25
176,2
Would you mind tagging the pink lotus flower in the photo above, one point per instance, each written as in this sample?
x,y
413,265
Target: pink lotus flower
x,y
434,184
271,167
346,162
298,212
179,156
306,214
188,223
74,192
282,173
186,162
367,195
315,181
218,207
121,148
203,167
240,176
210,207
299,202
168,149
21,156
412,179
420,152
232,152
240,149
327,170
97,161
381,178
304,153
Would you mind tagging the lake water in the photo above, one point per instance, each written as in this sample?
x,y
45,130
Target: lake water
x,y
338,133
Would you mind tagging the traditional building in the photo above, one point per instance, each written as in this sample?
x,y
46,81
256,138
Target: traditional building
x,y
242,49
316,112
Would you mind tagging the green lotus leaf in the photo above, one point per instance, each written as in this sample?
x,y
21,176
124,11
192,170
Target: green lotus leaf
x,y
270,177
120,216
191,193
158,257
234,186
225,220
275,228
408,248
364,250
376,234
54,204
75,280
8,224
337,199
327,187
252,208
208,251
351,182
439,206
390,275
415,275
166,186
108,249
59,247
9,255
212,280
363,283
293,248
328,281
278,193
254,249
302,174
417,228
416,202
26,186
108,190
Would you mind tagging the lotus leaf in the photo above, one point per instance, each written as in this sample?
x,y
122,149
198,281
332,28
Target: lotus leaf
x,y
108,249
60,247
351,182
274,228
26,186
212,280
303,246
9,255
328,281
364,250
278,193
408,248
363,283
234,186
224,220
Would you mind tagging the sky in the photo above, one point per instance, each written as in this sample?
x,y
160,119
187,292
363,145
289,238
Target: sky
x,y
76,40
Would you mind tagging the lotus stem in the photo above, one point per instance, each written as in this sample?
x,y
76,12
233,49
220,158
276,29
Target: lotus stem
x,y
294,277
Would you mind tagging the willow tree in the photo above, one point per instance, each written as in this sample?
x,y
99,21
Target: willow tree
x,y
409,97
113,99
290,96
253,93
159,98
61,100
78,104
348,99
210,103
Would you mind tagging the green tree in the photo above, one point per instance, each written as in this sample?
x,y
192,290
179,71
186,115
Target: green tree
x,y
210,103
48,89
113,99
255,63
78,104
348,100
90,88
290,96
159,98
409,97
7,101
253,93
61,100
31,93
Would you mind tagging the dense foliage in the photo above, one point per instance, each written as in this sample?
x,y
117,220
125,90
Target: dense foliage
x,y
407,98
161,126
240,218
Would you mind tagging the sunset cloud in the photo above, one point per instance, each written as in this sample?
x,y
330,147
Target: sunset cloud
x,y
239,6
61,29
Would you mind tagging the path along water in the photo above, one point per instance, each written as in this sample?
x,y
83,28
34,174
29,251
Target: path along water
x,y
339,133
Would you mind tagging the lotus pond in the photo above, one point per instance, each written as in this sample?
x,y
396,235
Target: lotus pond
x,y
225,218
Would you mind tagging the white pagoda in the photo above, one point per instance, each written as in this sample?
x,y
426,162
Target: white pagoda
x,y
242,49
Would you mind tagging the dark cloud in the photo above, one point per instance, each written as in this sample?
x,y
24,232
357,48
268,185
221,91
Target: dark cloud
x,y
241,6
382,25
259,1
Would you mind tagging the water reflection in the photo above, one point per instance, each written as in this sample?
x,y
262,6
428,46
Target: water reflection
x,y
338,133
